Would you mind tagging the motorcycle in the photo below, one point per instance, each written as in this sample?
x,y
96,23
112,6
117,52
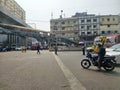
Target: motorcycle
x,y
108,63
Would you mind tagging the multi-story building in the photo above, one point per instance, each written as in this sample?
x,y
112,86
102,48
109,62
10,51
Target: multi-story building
x,y
13,8
88,27
65,27
12,14
109,24
85,27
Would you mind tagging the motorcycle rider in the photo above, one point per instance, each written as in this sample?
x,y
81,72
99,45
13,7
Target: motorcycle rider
x,y
101,54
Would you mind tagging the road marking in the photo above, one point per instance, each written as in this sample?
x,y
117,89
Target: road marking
x,y
73,81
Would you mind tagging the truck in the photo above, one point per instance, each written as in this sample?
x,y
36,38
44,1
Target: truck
x,y
112,40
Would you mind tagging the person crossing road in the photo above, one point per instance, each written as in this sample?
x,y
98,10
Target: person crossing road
x,y
38,49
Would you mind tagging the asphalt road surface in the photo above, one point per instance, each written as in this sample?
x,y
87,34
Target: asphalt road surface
x,y
47,71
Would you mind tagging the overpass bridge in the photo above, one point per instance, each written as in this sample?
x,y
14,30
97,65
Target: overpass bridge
x,y
18,35
13,27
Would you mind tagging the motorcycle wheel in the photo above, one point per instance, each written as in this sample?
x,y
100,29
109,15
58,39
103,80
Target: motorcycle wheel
x,y
109,66
85,63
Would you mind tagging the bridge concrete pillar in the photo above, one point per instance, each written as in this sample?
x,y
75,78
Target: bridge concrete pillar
x,y
9,39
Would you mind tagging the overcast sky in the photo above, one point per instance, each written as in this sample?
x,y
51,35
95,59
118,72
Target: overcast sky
x,y
39,11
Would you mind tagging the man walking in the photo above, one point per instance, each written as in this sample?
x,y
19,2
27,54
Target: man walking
x,y
83,49
38,49
56,49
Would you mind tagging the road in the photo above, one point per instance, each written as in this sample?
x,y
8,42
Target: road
x,y
47,71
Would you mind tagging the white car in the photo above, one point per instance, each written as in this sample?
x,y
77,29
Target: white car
x,y
115,53
18,48
113,47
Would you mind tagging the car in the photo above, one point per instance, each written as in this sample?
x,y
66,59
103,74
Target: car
x,y
115,53
13,46
113,47
6,48
18,48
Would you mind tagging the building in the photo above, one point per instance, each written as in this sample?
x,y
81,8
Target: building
x,y
12,13
80,27
85,27
109,24
88,27
65,27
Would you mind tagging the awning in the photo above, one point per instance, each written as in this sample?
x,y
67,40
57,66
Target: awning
x,y
81,42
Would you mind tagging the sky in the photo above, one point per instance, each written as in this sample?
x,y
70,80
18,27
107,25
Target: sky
x,y
38,12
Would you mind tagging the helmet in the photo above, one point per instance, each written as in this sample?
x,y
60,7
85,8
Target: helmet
x,y
99,44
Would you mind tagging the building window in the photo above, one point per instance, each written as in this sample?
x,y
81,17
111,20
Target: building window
x,y
116,31
108,19
94,20
88,27
56,23
102,19
109,32
63,28
82,33
94,26
95,33
55,28
108,25
113,19
63,22
63,34
88,20
82,21
74,21
102,32
75,33
82,27
68,22
88,33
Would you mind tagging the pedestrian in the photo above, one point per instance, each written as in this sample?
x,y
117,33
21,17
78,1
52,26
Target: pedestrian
x,y
38,49
23,48
83,49
56,49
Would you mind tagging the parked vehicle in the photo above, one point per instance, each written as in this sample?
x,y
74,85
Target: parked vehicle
x,y
115,53
4,49
112,40
108,63
107,41
18,48
113,47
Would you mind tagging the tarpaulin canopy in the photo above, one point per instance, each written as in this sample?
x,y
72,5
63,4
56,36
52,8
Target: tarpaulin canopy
x,y
81,42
